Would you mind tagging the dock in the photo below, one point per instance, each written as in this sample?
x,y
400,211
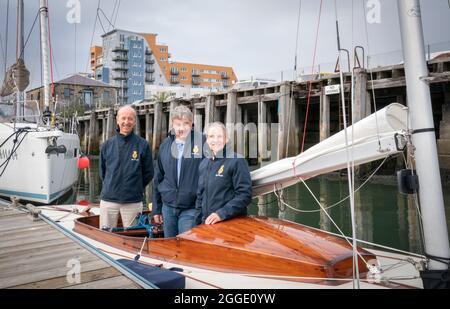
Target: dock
x,y
36,255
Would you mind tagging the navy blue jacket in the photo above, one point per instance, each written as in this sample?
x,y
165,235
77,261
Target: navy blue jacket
x,y
126,168
225,187
166,188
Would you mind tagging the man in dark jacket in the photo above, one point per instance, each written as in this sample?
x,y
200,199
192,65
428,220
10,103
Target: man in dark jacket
x,y
176,175
126,168
225,185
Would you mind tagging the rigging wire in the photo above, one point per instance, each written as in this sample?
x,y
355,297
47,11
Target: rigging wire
x,y
341,201
28,36
92,36
117,13
356,283
104,15
312,73
291,97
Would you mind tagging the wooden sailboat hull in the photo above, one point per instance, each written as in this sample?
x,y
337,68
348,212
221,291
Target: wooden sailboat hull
x,y
248,245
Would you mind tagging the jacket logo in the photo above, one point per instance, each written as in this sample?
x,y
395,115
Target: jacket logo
x,y
134,155
195,150
220,171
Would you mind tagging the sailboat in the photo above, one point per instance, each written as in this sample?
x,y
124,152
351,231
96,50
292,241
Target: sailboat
x,y
38,159
259,252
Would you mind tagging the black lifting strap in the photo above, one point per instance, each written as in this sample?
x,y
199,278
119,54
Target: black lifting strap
x,y
438,259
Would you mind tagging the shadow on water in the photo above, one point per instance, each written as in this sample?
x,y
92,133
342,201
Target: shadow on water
x,y
383,215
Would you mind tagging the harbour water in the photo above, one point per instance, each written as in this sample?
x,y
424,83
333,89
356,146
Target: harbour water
x,y
383,215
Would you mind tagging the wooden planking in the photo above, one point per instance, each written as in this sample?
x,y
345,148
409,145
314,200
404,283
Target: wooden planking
x,y
46,274
61,282
35,255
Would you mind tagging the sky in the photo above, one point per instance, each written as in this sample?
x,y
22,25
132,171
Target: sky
x,y
258,38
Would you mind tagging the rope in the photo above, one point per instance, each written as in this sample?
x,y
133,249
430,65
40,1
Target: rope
x,y
349,170
331,219
341,201
310,82
29,34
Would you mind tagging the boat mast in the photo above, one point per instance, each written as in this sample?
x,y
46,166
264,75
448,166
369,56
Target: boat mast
x,y
19,51
424,139
43,11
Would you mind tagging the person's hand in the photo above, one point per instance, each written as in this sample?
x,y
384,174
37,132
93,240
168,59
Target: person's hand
x,y
213,219
158,219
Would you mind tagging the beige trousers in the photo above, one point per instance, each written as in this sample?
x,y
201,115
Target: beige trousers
x,y
109,213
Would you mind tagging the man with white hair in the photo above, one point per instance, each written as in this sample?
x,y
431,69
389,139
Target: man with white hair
x,y
126,168
176,174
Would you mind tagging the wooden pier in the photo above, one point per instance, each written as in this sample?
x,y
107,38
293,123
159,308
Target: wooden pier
x,y
281,108
34,255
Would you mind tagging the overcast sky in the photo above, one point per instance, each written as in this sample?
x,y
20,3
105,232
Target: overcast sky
x,y
255,37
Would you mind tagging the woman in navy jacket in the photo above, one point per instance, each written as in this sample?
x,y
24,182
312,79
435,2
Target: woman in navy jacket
x,y
225,186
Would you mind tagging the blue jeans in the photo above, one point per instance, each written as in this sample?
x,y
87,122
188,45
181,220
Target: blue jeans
x,y
177,220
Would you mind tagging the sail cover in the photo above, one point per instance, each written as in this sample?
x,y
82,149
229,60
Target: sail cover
x,y
374,138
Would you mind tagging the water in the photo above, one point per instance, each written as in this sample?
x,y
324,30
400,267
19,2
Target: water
x,y
383,216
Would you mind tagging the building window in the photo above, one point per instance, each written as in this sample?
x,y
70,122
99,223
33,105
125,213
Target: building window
x,y
67,92
183,78
162,49
121,38
183,69
163,59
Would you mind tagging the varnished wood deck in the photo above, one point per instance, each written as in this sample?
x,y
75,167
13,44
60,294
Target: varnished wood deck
x,y
34,255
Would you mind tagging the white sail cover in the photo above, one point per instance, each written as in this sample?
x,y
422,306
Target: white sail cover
x,y
375,137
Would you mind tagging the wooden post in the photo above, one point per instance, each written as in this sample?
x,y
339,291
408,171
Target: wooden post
x,y
283,120
92,135
262,131
231,117
157,121
198,119
210,110
324,116
164,126
110,123
360,111
104,129
137,127
148,128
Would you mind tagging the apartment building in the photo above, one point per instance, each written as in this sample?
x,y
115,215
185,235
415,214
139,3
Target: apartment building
x,y
130,61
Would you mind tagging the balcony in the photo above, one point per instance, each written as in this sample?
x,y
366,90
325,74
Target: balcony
x,y
174,71
148,52
120,58
119,77
224,75
149,61
196,81
120,68
149,70
120,49
174,80
195,73
149,79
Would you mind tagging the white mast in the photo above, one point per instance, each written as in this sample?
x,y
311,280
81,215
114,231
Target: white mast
x,y
424,139
43,10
